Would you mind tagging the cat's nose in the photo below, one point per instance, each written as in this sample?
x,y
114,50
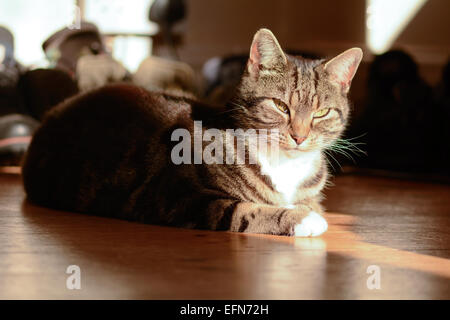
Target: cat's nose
x,y
298,139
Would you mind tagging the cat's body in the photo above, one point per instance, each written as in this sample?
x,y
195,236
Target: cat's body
x,y
109,152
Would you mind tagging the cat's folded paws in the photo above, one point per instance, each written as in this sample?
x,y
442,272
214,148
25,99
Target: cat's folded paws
x,y
311,226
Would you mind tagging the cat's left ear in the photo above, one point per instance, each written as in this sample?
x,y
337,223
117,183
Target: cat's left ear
x,y
266,55
342,68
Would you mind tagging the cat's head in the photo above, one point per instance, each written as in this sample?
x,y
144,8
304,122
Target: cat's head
x,y
306,100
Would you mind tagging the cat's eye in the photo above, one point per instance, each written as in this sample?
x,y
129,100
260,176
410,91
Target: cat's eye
x,y
281,106
321,113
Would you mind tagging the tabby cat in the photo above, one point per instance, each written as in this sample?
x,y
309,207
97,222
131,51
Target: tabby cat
x,y
108,152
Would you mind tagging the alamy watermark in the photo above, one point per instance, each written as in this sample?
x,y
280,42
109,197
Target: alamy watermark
x,y
230,146
74,280
374,280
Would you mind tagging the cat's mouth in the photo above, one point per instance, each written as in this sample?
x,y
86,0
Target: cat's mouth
x,y
296,150
304,147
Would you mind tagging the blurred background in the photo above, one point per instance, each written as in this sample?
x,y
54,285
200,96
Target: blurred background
x,y
53,49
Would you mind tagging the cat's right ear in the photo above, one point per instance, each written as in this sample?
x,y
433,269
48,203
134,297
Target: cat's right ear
x,y
342,68
266,55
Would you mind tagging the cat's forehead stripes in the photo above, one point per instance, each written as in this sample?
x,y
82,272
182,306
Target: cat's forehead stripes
x,y
315,103
304,80
294,78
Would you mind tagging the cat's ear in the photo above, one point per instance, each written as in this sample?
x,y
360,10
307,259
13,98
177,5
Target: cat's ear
x,y
342,68
266,54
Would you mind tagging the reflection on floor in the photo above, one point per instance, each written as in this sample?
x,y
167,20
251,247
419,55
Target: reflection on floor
x,y
401,227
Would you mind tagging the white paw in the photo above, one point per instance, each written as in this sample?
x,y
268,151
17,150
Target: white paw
x,y
312,225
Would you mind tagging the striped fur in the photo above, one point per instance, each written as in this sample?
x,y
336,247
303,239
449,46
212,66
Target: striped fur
x,y
107,152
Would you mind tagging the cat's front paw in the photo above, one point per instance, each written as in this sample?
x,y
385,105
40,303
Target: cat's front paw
x,y
311,226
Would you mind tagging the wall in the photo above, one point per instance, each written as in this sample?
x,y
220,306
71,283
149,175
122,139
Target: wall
x,y
215,27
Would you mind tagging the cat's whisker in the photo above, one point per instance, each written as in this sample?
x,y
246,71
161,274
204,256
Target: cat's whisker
x,y
239,106
328,161
227,111
346,154
332,157
353,149
347,145
360,136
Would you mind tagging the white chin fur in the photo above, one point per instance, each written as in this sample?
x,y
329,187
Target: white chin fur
x,y
312,225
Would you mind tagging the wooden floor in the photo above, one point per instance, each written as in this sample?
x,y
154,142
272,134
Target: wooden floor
x,y
402,227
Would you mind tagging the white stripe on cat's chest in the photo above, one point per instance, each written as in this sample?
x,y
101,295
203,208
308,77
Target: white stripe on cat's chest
x,y
287,174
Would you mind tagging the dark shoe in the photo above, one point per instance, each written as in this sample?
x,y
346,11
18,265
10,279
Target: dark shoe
x,y
16,131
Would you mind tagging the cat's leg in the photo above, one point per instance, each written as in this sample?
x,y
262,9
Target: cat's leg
x,y
301,220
